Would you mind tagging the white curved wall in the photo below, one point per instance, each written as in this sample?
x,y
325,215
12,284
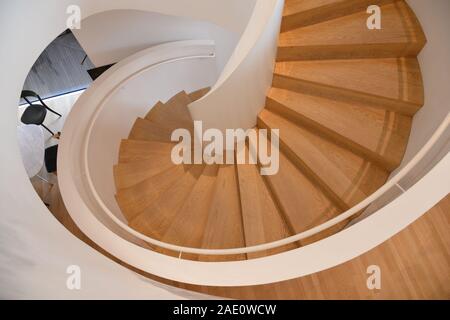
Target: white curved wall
x,y
240,93
125,32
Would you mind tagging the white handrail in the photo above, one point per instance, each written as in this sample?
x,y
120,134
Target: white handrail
x,y
267,246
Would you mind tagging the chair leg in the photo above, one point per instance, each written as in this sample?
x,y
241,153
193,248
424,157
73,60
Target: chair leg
x,y
53,111
47,107
48,129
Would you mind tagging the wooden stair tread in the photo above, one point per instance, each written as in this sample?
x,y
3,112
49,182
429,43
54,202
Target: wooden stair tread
x,y
189,224
150,131
348,37
298,13
131,173
155,219
379,134
156,109
296,6
224,226
196,95
262,222
303,204
137,150
174,114
338,171
133,200
385,83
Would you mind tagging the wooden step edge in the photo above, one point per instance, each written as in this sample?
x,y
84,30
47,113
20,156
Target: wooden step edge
x,y
167,109
326,12
166,127
233,257
171,115
156,108
278,208
117,182
193,170
236,173
286,218
329,134
163,134
196,95
124,144
322,90
288,53
176,98
190,256
245,256
126,140
272,193
283,214
418,33
281,210
156,191
119,185
307,171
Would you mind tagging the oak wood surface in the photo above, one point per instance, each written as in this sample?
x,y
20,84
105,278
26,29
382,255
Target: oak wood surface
x,y
348,37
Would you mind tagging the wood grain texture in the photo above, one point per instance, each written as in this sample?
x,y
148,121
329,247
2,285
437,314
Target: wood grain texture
x,y
189,224
174,114
156,218
133,200
302,203
392,84
262,222
196,95
349,38
137,150
156,109
224,227
375,133
340,173
150,131
300,13
415,264
131,173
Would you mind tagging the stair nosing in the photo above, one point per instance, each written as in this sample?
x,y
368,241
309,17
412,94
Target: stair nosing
x,y
356,95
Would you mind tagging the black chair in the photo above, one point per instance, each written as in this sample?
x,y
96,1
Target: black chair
x,y
51,155
36,113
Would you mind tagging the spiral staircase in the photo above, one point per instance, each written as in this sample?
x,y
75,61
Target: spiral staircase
x,y
342,98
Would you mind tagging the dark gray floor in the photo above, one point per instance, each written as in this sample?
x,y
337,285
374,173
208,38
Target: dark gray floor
x,y
58,70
